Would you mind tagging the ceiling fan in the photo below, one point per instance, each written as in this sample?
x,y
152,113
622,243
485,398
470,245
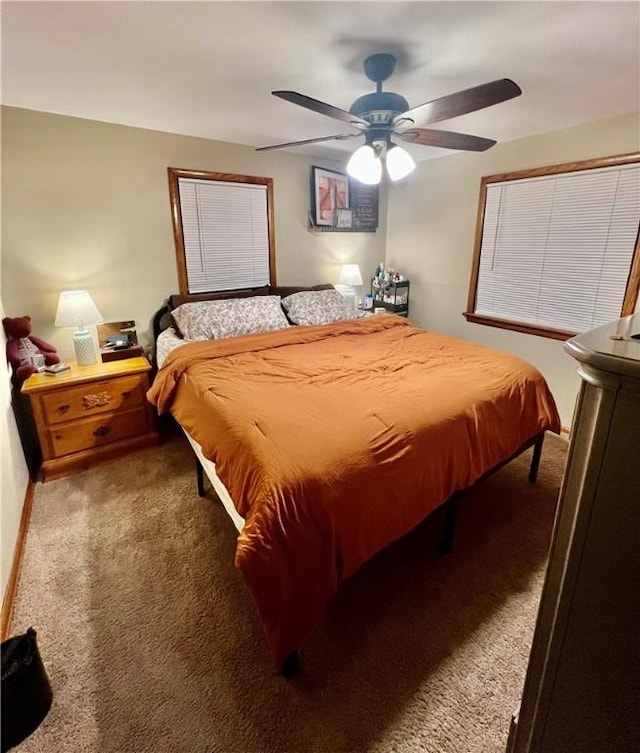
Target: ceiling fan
x,y
379,116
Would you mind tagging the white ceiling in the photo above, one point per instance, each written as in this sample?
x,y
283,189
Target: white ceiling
x,y
207,68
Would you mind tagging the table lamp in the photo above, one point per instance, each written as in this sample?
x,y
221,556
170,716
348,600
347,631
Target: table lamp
x,y
349,278
77,309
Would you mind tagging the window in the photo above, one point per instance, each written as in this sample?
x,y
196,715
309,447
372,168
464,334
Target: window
x,y
556,249
223,230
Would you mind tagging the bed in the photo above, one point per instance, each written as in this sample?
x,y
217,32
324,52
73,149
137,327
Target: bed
x,y
328,441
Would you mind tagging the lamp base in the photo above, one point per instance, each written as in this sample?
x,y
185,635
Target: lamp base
x,y
85,347
348,292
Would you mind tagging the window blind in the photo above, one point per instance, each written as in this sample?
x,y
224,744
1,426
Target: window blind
x,y
226,234
556,250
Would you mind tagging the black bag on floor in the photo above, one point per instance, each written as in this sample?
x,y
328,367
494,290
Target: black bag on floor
x,y
26,693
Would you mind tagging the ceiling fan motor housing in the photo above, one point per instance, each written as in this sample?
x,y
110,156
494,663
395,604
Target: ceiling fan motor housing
x,y
379,108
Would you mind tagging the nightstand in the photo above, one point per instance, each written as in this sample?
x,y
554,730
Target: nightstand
x,y
90,414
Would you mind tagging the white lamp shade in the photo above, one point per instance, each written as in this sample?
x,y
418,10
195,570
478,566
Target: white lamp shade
x,y
76,309
350,275
365,166
399,162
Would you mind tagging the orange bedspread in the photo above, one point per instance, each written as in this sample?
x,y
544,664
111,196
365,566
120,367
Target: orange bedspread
x,y
334,441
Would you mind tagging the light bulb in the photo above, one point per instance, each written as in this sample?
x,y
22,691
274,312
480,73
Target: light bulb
x,y
399,162
365,166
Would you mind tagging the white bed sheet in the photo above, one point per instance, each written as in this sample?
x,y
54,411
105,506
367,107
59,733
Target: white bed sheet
x,y
166,342
219,487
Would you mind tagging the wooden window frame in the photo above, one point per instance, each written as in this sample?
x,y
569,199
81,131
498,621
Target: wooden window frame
x,y
174,174
633,282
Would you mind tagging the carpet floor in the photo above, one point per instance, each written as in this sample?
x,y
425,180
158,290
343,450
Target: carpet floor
x,y
152,643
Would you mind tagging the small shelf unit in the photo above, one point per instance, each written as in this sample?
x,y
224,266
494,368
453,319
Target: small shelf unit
x,y
393,296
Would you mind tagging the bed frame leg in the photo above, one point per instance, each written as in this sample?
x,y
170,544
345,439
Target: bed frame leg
x,y
450,514
535,460
200,478
290,665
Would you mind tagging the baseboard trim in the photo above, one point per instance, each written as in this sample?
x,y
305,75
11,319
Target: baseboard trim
x,y
16,564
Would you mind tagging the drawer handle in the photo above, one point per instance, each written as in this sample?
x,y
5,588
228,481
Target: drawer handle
x,y
126,394
96,400
63,409
102,431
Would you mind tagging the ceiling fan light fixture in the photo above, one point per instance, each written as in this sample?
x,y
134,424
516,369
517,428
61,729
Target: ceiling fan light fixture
x,y
365,166
399,162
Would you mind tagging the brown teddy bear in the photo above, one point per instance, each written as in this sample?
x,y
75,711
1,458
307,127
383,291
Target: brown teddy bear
x,y
25,352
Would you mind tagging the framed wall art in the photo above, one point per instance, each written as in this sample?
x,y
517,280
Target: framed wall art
x,y
329,192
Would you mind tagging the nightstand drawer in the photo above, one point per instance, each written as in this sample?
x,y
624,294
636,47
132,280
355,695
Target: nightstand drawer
x,y
98,431
91,399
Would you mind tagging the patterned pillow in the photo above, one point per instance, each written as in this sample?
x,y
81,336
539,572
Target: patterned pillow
x,y
319,307
211,320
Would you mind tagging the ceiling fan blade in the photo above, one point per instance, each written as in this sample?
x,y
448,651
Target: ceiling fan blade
x,y
322,107
459,103
339,137
446,139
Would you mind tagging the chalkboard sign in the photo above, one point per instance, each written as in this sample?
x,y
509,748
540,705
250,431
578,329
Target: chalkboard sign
x,y
363,200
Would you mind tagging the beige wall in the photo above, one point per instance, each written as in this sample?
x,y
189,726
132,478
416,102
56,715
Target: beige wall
x,y
86,205
430,235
